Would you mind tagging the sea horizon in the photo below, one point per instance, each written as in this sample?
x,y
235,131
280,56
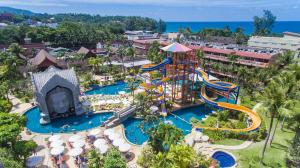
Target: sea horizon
x,y
279,26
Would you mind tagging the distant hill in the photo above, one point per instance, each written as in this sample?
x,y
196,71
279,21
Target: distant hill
x,y
16,11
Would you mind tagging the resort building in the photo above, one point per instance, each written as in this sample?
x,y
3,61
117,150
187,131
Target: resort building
x,y
289,41
56,93
140,35
86,52
142,46
43,60
250,57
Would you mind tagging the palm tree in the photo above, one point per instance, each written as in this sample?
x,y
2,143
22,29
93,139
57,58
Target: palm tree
x,y
131,53
241,74
132,86
233,58
276,101
201,58
121,53
96,160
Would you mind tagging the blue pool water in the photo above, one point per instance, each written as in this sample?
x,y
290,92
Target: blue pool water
x,y
224,159
78,123
134,133
110,89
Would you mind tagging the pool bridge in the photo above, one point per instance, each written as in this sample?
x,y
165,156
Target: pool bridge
x,y
120,116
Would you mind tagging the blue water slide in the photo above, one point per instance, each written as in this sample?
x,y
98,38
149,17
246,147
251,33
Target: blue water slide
x,y
158,66
218,85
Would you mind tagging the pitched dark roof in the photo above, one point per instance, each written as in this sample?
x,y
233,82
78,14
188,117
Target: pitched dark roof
x,y
41,57
83,50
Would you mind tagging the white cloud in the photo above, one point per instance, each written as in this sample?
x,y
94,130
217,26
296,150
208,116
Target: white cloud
x,y
44,3
177,3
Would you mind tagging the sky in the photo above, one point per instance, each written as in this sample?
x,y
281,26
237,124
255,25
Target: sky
x,y
168,10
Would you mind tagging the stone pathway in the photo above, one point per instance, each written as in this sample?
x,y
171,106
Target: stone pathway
x,y
18,107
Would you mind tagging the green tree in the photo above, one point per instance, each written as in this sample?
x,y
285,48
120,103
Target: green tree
x,y
95,62
132,85
7,159
154,54
96,160
23,149
162,136
121,51
263,25
131,53
11,126
161,26
201,58
114,159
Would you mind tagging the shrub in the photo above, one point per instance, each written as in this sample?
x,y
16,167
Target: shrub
x,y
5,105
114,159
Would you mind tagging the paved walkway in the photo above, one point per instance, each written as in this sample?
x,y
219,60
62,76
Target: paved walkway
x,y
18,106
235,147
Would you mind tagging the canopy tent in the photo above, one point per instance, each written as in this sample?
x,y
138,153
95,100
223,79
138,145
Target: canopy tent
x,y
54,138
78,144
34,161
176,48
124,147
103,148
114,136
107,132
198,136
205,138
57,143
118,142
75,138
99,142
94,132
57,150
75,152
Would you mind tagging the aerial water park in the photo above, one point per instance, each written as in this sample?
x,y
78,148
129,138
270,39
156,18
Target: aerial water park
x,y
112,111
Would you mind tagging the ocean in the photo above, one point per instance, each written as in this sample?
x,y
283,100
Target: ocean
x,y
279,26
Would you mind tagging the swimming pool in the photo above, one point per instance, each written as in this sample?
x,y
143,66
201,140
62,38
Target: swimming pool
x,y
225,160
109,89
64,125
180,119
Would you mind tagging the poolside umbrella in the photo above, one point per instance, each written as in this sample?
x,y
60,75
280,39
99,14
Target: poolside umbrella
x,y
176,48
198,135
99,142
94,132
154,108
86,103
57,150
126,102
113,136
117,101
75,152
205,138
103,148
101,102
78,144
34,161
107,132
75,138
117,142
57,143
110,101
122,92
124,147
54,137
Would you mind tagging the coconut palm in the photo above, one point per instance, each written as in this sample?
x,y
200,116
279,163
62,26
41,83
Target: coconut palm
x,y
96,160
121,53
233,59
131,53
276,100
201,58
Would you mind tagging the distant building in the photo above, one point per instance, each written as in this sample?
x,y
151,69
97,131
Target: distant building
x,y
3,25
290,41
43,60
142,46
249,58
140,35
86,52
56,94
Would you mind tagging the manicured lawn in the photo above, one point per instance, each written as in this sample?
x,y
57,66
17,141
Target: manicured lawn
x,y
230,142
275,155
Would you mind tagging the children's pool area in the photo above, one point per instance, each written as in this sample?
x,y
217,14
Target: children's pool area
x,y
109,89
64,125
180,118
225,160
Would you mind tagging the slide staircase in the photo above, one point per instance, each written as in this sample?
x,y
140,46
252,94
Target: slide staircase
x,y
120,116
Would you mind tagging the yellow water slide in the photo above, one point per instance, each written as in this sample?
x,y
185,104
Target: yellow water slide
x,y
256,120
